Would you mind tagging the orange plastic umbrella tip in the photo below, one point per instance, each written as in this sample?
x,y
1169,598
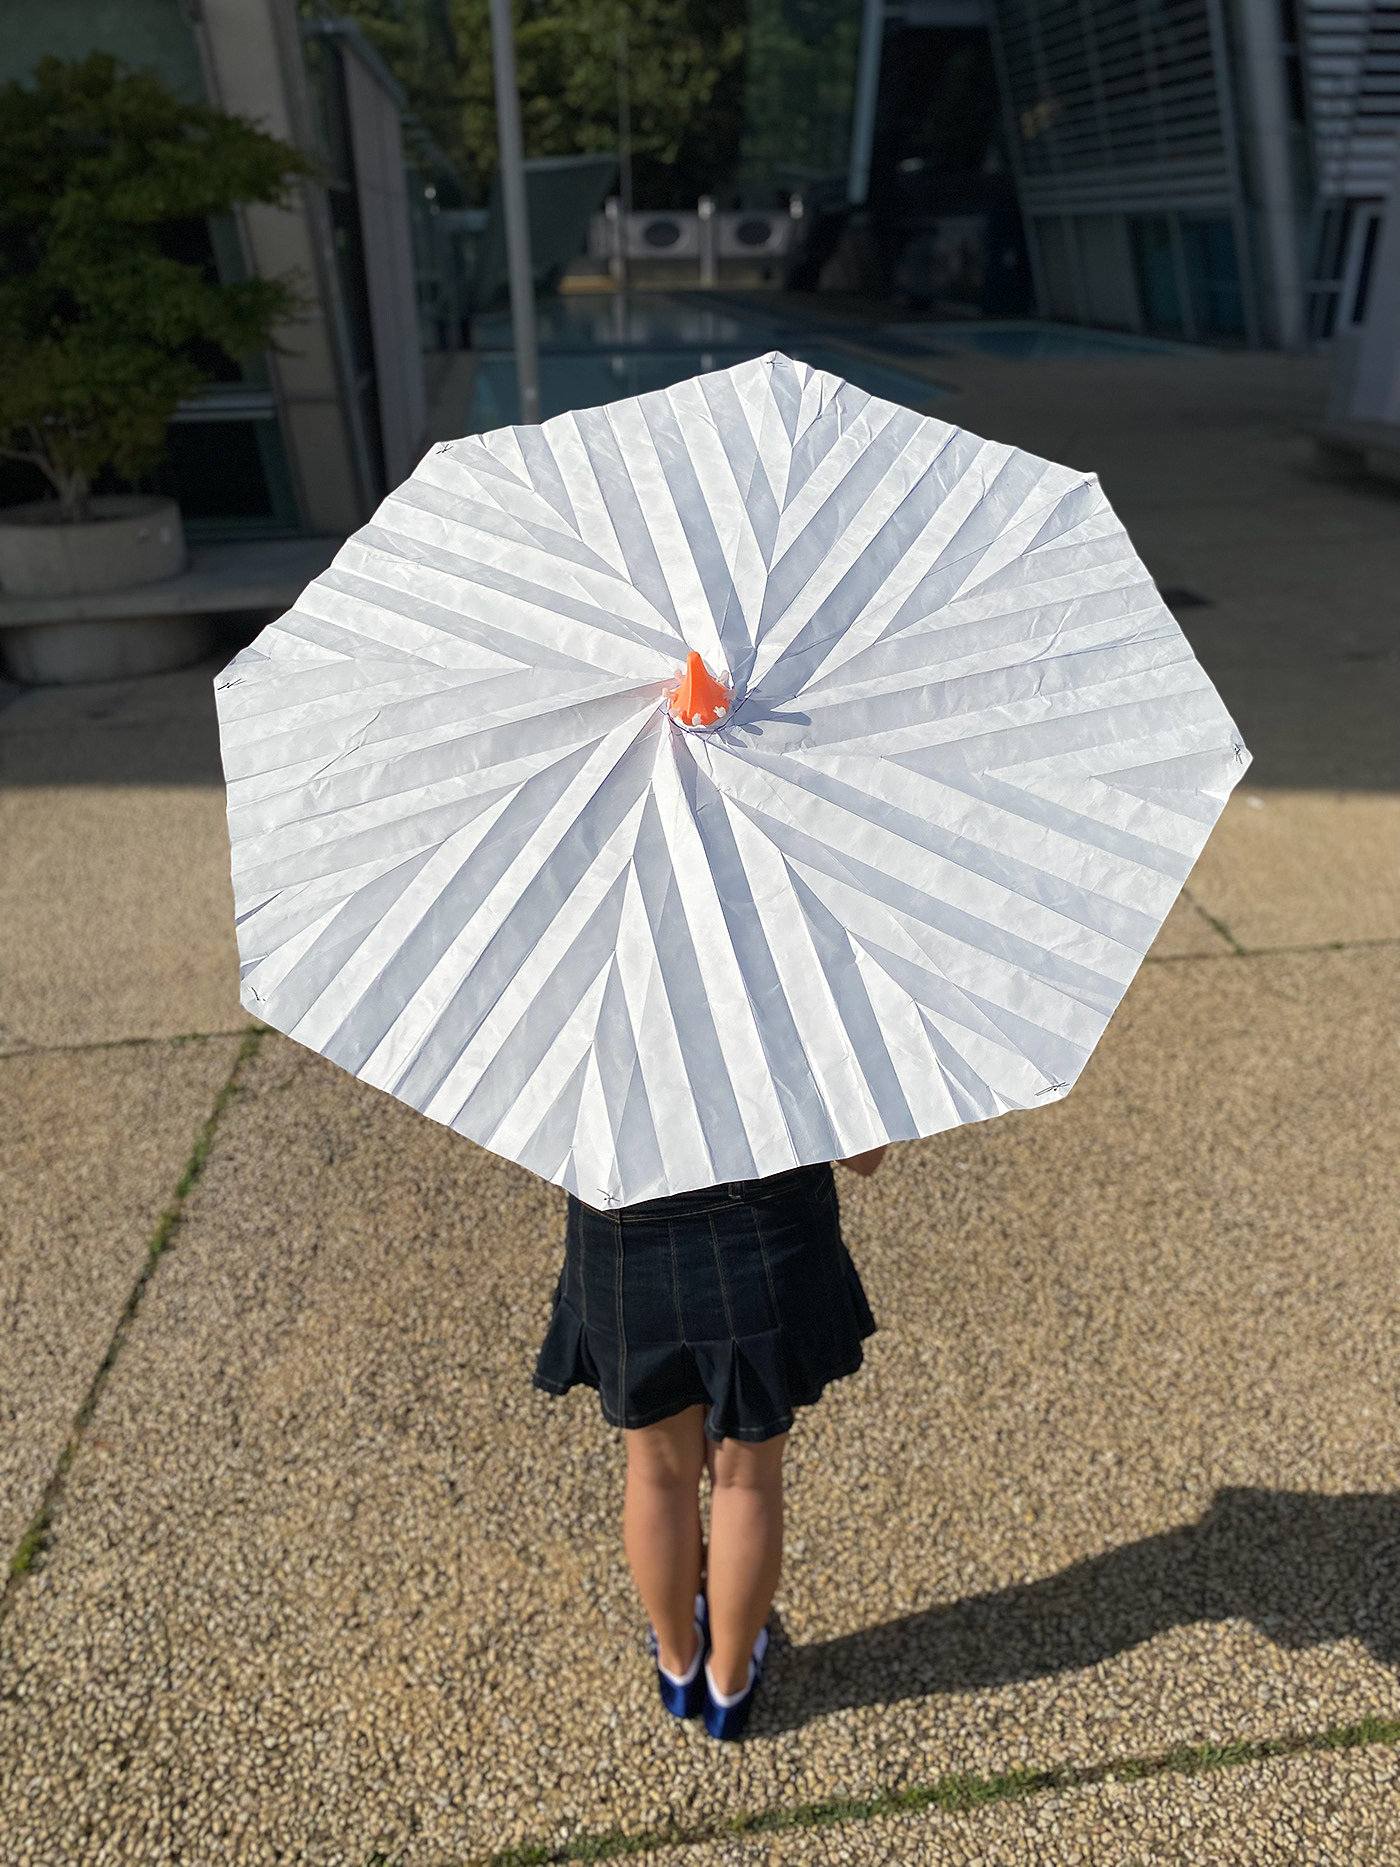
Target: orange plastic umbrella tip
x,y
700,700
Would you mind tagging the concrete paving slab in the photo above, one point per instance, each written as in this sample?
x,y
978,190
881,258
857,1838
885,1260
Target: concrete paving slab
x,y
1209,466
1120,1472
1215,462
1161,431
1314,569
158,730
94,1144
1331,1810
1320,725
116,918
1301,868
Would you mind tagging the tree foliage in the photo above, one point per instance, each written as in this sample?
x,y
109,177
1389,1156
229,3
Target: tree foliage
x,y
802,57
684,74
684,61
416,41
102,328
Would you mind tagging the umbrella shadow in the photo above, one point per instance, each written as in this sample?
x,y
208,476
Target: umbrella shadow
x,y
753,714
1303,1569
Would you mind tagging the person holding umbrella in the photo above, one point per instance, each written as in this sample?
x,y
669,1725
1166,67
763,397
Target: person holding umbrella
x,y
678,797
703,1320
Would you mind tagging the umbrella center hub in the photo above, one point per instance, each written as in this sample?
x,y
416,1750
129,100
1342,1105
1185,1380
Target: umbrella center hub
x,y
699,699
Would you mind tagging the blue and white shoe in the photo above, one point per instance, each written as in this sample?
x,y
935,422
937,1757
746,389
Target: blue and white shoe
x,y
683,1694
727,1716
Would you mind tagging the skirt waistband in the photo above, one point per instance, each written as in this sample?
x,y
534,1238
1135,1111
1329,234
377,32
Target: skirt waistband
x,y
714,1198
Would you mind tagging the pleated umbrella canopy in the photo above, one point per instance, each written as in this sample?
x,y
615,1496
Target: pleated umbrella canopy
x,y
726,779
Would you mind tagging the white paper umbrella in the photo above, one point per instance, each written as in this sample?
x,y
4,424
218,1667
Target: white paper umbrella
x,y
968,760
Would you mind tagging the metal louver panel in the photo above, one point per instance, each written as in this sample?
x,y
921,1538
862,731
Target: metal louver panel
x,y
1115,104
1353,63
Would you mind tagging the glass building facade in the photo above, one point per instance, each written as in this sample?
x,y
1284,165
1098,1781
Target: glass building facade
x,y
1206,169
1126,145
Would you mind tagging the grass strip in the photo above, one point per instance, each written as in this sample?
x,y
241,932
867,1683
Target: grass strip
x,y
955,1795
32,1543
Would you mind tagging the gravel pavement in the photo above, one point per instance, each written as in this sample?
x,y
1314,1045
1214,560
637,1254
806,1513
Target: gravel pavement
x,y
116,912
328,1568
328,1582
94,1143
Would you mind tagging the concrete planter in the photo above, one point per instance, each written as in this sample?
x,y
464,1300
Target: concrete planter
x,y
130,540
107,648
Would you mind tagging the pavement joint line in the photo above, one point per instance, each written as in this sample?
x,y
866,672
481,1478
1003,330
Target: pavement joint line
x,y
1149,959
1270,952
35,1538
124,1043
1212,919
955,1794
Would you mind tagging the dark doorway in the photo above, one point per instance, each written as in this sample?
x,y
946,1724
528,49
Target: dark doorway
x,y
942,205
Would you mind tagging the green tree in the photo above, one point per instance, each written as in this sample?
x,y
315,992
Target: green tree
x,y
416,41
684,61
103,330
802,60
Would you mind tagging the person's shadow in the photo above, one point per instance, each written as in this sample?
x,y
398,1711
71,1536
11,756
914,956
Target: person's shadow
x,y
1303,1569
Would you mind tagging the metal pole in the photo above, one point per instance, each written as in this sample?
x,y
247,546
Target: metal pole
x,y
512,153
624,146
1270,134
617,255
872,39
705,209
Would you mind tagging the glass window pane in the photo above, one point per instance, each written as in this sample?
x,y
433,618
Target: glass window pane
x,y
1213,275
1155,266
228,472
1057,268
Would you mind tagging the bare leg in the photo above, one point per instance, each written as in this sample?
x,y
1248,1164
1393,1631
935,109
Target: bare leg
x,y
661,1528
746,1552
704,1547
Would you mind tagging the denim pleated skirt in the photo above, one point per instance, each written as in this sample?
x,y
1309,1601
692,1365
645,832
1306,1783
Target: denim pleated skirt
x,y
741,1298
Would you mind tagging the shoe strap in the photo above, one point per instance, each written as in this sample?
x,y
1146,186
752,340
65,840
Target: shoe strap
x,y
727,1700
688,1675
760,1654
